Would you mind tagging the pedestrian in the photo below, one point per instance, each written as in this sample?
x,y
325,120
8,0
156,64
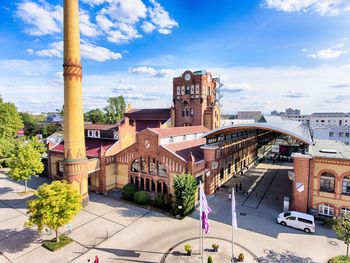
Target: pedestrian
x,y
96,259
229,196
88,260
236,187
240,186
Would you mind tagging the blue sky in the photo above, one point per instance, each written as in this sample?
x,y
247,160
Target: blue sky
x,y
270,54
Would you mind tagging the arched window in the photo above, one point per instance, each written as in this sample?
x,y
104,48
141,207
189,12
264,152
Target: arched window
x,y
324,209
161,170
188,90
135,166
178,91
222,174
344,211
346,185
327,182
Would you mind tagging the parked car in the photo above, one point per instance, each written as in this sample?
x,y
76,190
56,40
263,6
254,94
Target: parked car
x,y
297,220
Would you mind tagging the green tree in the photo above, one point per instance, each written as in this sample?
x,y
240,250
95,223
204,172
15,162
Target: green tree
x,y
32,123
95,116
38,145
10,120
25,162
55,205
185,186
51,128
115,109
7,147
341,227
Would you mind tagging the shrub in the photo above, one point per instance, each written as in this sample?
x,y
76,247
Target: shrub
x,y
240,257
159,200
141,197
188,249
129,191
328,223
185,186
210,259
339,259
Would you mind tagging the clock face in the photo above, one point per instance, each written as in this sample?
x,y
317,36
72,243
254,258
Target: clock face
x,y
187,77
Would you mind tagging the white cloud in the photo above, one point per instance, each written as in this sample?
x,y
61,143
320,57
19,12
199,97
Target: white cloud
x,y
161,18
87,28
329,53
144,70
235,87
297,94
321,7
104,22
130,11
147,27
117,21
42,20
152,72
97,53
88,50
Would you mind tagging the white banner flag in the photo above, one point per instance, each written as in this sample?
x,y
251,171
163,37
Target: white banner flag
x,y
234,218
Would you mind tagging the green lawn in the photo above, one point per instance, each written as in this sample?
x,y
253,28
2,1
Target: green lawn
x,y
53,245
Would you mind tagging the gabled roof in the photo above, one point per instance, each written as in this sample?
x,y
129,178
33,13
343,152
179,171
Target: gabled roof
x,y
162,114
186,148
92,146
177,131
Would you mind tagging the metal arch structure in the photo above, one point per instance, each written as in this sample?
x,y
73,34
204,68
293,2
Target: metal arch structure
x,y
299,132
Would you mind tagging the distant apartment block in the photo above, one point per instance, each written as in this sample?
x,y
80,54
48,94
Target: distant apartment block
x,y
249,115
291,111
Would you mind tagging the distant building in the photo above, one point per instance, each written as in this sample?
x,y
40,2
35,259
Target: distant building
x,y
332,126
301,118
291,111
53,117
249,115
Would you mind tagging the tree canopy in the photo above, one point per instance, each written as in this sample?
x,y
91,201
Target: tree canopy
x,y
95,116
115,109
32,123
185,186
25,160
10,120
341,228
55,205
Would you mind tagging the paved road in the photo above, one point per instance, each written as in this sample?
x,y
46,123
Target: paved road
x,y
120,232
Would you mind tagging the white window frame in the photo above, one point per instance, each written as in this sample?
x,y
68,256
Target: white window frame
x,y
325,209
344,211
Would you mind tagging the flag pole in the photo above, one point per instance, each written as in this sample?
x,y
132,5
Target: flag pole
x,y
232,207
200,220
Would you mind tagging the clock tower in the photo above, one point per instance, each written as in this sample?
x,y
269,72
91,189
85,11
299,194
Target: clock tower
x,y
194,97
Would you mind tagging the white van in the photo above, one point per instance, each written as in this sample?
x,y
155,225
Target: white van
x,y
297,220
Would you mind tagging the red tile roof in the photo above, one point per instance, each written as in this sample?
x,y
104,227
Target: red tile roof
x,y
177,131
149,114
186,148
103,127
92,146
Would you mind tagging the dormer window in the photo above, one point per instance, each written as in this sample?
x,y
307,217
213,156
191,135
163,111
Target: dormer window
x,y
93,134
184,138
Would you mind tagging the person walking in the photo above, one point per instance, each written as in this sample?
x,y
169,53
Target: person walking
x,y
236,187
240,186
97,260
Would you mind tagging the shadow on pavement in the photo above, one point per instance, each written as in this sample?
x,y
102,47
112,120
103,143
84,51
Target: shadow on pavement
x,y
16,241
285,257
128,253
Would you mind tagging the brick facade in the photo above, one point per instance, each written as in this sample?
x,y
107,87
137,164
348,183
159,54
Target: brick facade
x,y
194,97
